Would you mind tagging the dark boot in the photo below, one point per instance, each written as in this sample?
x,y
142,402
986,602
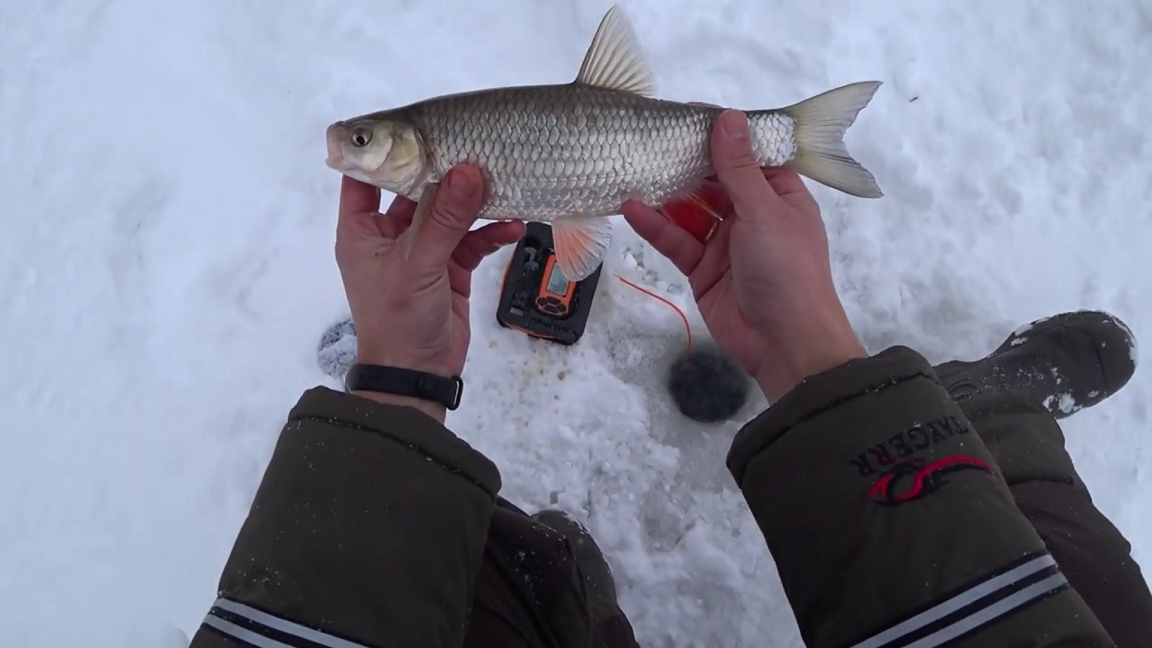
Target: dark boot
x,y
1063,363
599,585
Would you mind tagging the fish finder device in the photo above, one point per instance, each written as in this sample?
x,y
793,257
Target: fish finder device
x,y
536,297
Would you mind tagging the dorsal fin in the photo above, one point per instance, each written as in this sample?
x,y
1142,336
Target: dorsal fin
x,y
614,60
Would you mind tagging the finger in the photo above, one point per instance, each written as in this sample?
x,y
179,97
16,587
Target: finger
x,y
358,201
482,242
681,248
785,181
792,190
392,228
715,261
474,247
393,222
454,209
737,167
357,197
401,207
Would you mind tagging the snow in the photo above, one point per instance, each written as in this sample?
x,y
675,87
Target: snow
x,y
168,270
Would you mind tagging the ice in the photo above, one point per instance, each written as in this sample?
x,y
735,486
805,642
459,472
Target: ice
x,y
168,270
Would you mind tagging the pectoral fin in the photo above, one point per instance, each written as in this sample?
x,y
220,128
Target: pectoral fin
x,y
423,208
581,244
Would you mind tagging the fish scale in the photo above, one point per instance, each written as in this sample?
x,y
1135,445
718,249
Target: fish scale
x,y
562,150
571,154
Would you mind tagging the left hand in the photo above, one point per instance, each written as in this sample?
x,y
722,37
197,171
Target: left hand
x,y
413,313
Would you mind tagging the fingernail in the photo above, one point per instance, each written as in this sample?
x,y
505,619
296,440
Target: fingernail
x,y
460,183
735,125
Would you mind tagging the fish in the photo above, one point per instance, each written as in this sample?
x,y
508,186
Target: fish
x,y
571,154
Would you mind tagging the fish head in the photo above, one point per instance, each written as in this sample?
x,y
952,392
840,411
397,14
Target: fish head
x,y
384,152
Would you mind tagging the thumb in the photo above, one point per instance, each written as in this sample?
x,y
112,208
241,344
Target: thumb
x,y
453,211
737,167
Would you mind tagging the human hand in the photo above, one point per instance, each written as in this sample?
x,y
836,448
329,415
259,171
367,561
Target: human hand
x,y
763,281
413,313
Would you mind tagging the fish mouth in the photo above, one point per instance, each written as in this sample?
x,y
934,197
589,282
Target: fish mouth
x,y
335,159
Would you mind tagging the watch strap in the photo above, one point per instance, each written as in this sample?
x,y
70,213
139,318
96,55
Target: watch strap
x,y
405,382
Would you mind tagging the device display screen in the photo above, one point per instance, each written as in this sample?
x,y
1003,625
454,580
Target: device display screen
x,y
557,282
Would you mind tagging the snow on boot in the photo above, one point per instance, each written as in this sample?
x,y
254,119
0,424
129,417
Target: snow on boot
x,y
1064,363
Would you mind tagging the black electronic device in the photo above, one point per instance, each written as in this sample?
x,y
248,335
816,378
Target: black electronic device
x,y
536,297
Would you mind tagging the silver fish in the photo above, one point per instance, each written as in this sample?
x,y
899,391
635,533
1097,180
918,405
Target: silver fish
x,y
571,154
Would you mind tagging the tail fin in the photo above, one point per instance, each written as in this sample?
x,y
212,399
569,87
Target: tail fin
x,y
820,126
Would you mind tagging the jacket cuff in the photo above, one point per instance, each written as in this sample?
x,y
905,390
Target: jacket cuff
x,y
826,392
407,426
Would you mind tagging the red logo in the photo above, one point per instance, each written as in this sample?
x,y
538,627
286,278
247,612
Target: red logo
x,y
911,480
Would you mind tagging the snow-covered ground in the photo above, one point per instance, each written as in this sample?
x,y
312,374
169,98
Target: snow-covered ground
x,y
167,270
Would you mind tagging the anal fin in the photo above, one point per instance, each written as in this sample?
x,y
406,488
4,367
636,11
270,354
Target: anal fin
x,y
581,244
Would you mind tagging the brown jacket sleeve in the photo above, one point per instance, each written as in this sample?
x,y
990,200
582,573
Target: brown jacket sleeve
x,y
889,522
367,530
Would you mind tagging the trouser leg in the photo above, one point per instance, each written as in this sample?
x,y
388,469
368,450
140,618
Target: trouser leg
x,y
1029,447
529,591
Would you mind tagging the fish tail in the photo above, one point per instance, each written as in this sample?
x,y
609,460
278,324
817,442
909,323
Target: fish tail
x,y
819,124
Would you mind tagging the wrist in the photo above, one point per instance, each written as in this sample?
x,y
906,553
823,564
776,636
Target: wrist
x,y
802,361
436,411
374,378
386,358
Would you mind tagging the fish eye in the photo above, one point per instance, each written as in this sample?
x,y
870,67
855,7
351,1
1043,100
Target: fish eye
x,y
361,137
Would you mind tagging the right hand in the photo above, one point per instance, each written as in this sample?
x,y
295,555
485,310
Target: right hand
x,y
763,281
